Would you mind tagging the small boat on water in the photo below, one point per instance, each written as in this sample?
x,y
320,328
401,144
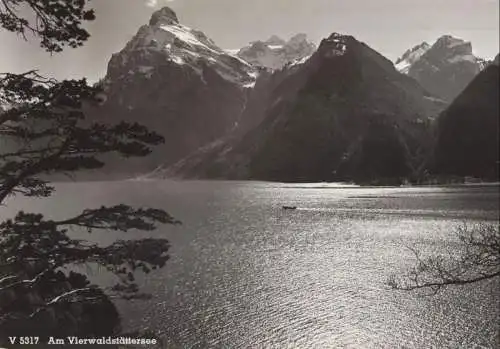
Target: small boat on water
x,y
289,207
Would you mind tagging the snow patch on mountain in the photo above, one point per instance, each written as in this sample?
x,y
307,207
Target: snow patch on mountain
x,y
232,51
299,61
404,63
275,47
335,45
254,75
187,35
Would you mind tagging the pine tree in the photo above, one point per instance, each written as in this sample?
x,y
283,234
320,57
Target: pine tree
x,y
44,131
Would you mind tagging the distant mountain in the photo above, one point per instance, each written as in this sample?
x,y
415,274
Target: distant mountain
x,y
275,52
179,83
404,63
468,133
344,113
445,68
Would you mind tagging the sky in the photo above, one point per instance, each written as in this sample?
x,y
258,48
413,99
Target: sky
x,y
389,26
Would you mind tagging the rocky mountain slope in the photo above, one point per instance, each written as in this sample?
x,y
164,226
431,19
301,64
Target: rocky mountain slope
x,y
179,83
404,63
344,113
275,52
467,131
445,68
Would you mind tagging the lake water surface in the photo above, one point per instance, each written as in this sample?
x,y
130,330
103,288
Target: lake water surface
x,y
246,274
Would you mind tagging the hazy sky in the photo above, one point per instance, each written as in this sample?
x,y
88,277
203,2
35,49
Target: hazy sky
x,y
389,26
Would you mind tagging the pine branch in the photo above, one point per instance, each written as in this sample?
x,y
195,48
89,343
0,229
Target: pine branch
x,y
120,217
51,134
57,23
31,169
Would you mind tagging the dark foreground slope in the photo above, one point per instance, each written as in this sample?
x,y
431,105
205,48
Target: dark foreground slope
x,y
467,131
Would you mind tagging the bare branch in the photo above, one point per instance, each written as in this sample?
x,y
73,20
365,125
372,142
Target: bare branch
x,y
477,260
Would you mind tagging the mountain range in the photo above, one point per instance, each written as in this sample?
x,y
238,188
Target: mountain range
x,y
285,110
275,52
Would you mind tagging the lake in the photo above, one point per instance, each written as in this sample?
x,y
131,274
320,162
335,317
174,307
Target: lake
x,y
246,274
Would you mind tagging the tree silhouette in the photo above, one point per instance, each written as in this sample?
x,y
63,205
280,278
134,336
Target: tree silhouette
x,y
44,131
478,259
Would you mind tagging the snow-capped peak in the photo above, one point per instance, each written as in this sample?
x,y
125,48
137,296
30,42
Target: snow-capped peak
x,y
168,40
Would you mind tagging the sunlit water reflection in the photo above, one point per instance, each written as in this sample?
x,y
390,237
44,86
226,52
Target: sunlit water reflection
x,y
246,274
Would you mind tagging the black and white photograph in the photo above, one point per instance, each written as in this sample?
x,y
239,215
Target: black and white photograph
x,y
235,174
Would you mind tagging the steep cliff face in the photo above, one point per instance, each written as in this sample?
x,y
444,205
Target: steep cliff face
x,y
179,83
467,131
322,119
445,68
